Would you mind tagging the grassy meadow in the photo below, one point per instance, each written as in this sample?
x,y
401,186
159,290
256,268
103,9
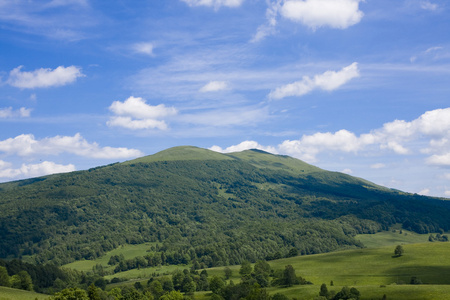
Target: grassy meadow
x,y
15,294
374,270
128,251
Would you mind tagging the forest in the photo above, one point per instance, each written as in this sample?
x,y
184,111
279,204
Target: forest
x,y
198,208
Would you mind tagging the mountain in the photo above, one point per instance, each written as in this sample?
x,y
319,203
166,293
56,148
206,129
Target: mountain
x,y
201,206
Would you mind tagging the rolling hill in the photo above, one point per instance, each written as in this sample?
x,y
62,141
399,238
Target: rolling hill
x,y
199,206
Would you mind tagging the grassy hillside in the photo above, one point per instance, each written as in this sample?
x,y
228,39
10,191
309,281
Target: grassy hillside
x,y
373,272
201,206
14,294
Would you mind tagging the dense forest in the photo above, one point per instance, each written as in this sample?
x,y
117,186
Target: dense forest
x,y
202,207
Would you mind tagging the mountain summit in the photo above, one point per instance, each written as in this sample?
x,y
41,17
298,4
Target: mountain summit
x,y
201,206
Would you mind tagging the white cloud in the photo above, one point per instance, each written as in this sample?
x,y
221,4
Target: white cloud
x,y
401,137
428,5
8,112
34,170
42,78
246,145
144,48
214,3
447,193
27,145
347,171
135,113
329,81
339,14
129,123
378,166
425,192
442,160
309,146
214,86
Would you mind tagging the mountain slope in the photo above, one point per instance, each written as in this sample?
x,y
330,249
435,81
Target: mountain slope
x,y
199,205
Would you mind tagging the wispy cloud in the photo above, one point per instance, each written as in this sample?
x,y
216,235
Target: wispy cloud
x,y
48,18
43,78
329,81
8,112
271,21
143,48
214,86
214,3
428,6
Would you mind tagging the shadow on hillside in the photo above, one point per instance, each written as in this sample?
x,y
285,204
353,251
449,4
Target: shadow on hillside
x,y
426,274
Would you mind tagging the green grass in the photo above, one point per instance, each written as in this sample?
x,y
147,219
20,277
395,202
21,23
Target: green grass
x,y
146,273
128,251
14,294
373,271
181,153
391,238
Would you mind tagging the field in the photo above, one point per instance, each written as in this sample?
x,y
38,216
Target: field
x,y
14,294
128,251
374,270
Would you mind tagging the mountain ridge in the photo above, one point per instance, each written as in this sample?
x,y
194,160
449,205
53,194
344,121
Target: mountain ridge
x,y
204,206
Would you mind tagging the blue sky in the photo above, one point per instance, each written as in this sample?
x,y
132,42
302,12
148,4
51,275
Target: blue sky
x,y
360,87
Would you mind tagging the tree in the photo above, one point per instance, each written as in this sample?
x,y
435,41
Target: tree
x,y
398,250
93,292
228,273
71,294
216,284
156,289
22,280
324,290
4,277
347,293
246,269
289,277
279,296
173,295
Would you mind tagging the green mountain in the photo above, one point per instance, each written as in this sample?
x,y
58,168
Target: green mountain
x,y
199,206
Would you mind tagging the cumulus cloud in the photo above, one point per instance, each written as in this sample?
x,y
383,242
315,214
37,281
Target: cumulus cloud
x,y
246,145
28,145
33,170
214,3
339,14
8,112
135,113
431,131
42,78
214,86
143,48
442,160
328,81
